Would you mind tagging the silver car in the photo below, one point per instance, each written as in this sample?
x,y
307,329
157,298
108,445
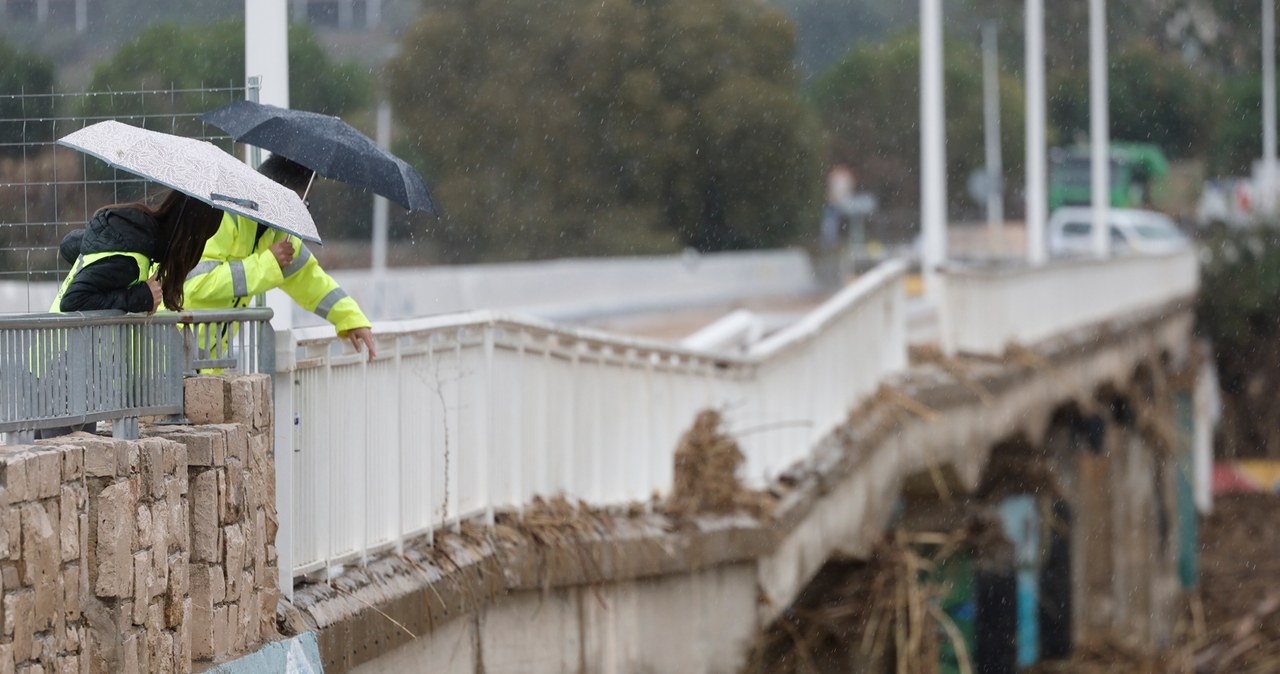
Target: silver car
x,y
1133,231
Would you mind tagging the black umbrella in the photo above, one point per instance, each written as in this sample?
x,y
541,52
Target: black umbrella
x,y
326,145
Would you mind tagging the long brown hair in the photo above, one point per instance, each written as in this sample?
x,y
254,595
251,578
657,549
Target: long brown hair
x,y
183,225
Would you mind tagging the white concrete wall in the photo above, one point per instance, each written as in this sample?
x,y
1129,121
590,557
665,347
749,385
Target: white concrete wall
x,y
983,310
700,622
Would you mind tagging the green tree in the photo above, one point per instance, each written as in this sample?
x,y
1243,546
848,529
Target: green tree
x,y
21,115
1237,139
870,102
566,127
1153,98
179,56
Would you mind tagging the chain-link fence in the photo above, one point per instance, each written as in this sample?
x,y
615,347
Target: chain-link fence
x,y
47,190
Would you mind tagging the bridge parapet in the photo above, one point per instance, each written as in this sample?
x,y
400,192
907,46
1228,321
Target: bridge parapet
x,y
983,310
465,415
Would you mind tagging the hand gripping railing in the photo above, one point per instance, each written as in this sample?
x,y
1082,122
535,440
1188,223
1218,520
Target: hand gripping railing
x,y
60,370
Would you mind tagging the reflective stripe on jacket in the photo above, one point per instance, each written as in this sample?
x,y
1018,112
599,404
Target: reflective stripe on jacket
x,y
237,264
144,273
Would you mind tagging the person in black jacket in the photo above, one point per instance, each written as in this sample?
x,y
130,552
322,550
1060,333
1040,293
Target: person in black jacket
x,y
134,256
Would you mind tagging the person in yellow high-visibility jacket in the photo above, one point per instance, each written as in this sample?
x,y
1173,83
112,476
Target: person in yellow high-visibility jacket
x,y
244,258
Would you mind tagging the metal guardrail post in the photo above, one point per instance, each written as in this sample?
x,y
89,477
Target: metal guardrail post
x,y
284,443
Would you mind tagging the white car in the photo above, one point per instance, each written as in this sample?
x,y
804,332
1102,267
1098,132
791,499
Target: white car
x,y
1133,231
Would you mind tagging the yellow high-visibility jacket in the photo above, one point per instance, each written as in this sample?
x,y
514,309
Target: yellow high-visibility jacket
x,y
237,264
145,268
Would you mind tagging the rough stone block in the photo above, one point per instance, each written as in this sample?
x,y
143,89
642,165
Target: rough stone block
x,y
159,561
7,543
161,655
22,608
69,527
142,583
238,641
224,506
249,606
58,636
204,400
267,600
72,640
129,460
223,630
234,549
100,457
117,507
198,445
264,399
72,464
6,659
67,664
13,476
204,516
41,564
84,551
154,624
182,534
130,653
145,530
233,497
153,451
208,588
203,631
44,473
71,592
240,400
262,469
176,590
10,606
169,459
123,616
182,645
238,443
259,546
13,527
174,504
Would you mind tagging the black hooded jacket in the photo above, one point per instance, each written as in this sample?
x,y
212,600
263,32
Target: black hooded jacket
x,y
112,282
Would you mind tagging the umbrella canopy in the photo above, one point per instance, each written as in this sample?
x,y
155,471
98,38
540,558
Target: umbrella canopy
x,y
326,145
198,169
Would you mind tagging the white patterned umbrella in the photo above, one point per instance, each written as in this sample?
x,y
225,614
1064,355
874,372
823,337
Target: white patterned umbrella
x,y
199,169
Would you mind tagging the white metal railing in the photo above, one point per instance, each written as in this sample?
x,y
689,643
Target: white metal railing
x,y
465,414
983,310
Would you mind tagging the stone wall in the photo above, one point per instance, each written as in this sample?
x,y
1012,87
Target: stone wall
x,y
233,563
144,556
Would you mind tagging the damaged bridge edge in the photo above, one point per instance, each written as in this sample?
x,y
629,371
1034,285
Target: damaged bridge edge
x,y
837,503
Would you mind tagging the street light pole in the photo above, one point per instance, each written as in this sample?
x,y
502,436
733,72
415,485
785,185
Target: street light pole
x,y
1268,188
1099,128
991,126
933,151
1037,200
